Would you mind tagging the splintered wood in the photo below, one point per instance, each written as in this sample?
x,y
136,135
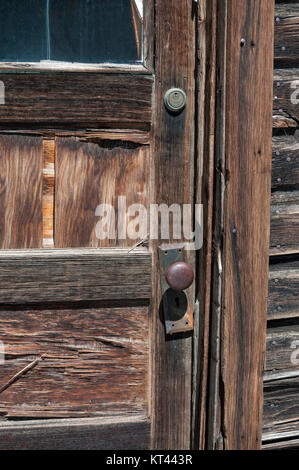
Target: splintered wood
x,y
48,192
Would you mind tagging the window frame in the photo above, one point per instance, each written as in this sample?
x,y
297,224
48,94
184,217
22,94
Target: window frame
x,y
144,67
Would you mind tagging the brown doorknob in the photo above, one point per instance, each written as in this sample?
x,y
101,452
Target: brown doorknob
x,y
179,276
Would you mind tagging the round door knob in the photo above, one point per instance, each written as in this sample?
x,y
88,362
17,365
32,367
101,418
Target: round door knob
x,y
179,276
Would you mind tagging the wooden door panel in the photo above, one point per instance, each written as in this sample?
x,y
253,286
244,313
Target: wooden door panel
x,y
88,174
93,360
54,184
20,192
79,312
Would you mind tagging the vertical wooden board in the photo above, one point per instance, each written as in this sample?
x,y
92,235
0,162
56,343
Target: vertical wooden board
x,y
48,192
204,181
214,438
172,182
249,77
20,192
89,360
89,174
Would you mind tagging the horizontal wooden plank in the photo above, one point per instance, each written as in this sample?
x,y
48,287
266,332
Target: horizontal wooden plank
x,y
281,402
77,99
286,34
282,351
74,275
60,66
283,300
286,95
285,162
273,375
74,360
121,433
282,121
279,432
282,445
284,235
86,135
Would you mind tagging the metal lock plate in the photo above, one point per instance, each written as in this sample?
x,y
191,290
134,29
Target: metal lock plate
x,y
178,314
175,100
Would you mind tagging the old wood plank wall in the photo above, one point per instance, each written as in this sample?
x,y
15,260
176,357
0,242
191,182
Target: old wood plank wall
x,y
243,161
281,386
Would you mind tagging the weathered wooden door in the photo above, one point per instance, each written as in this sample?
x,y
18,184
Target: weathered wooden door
x,y
85,136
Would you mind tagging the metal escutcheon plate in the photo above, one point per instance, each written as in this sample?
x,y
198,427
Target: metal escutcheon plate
x,y
178,314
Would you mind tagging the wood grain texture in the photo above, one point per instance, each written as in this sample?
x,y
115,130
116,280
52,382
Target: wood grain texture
x,y
88,175
282,445
121,433
287,32
281,402
214,438
21,192
172,182
93,361
148,34
286,95
281,120
285,162
280,432
74,275
246,219
66,67
284,237
282,343
204,168
283,301
136,136
48,192
76,99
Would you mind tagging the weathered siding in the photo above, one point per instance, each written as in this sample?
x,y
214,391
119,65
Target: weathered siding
x,y
281,377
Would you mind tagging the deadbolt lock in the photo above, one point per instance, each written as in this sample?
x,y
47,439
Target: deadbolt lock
x,y
175,100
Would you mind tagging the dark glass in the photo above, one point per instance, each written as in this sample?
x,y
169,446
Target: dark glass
x,y
85,31
22,30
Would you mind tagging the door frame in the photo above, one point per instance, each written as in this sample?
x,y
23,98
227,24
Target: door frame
x,y
232,294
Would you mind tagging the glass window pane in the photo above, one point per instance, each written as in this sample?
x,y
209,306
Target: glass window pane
x,y
85,31
22,26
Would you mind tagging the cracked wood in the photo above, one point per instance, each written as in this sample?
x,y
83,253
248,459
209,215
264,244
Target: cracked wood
x,y
94,360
